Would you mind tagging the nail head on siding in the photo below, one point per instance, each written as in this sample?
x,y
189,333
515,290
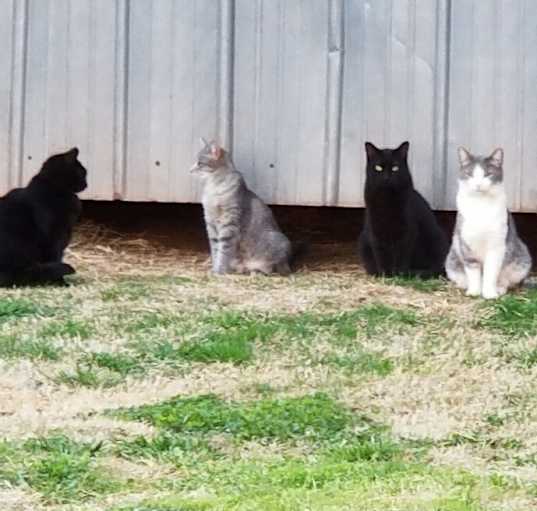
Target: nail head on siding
x,y
29,157
271,165
157,163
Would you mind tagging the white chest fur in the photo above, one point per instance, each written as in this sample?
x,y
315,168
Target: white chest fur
x,y
484,221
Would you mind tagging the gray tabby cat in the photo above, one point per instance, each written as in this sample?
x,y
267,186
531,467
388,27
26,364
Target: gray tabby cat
x,y
243,235
487,257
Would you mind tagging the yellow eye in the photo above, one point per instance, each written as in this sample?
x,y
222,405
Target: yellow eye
x,y
378,168
395,168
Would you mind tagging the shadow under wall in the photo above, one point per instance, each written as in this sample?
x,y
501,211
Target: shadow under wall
x,y
333,230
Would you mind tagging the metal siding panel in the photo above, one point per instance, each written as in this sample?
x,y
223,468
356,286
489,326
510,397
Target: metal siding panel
x,y
70,87
294,87
528,111
390,88
280,100
179,90
493,99
7,93
12,56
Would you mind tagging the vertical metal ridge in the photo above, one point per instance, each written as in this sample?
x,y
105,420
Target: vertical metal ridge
x,y
364,121
521,106
279,94
67,119
496,105
227,48
17,102
473,75
121,98
334,102
411,65
388,68
258,41
173,79
92,78
441,102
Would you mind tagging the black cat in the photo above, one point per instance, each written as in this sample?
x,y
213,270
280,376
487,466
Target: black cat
x,y
400,235
36,223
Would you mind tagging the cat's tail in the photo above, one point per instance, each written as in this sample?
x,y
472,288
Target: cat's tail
x,y
42,273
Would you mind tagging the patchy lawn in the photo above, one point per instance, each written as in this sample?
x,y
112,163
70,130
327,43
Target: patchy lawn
x,y
149,385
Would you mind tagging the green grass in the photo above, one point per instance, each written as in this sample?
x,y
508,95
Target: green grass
x,y
69,328
84,376
58,468
174,340
12,308
182,450
322,484
316,415
120,363
217,349
359,362
15,347
127,290
423,285
512,315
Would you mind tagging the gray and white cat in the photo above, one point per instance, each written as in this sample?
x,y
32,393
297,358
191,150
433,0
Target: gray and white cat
x,y
486,257
243,235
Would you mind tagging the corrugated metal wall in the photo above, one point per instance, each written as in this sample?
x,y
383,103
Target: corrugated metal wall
x,y
293,86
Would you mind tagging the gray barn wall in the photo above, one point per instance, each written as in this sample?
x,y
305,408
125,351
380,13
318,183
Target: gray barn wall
x,y
293,86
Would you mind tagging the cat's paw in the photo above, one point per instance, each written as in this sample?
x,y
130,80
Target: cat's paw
x,y
491,294
473,292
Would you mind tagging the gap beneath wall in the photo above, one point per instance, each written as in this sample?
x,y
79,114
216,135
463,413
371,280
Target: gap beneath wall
x,y
335,230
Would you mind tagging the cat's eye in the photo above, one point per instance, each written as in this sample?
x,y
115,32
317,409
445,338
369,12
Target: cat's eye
x,y
378,168
395,168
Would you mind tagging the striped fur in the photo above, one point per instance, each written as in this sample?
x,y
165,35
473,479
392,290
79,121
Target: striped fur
x,y
243,234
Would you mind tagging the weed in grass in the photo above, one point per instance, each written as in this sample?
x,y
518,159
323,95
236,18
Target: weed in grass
x,y
102,369
512,315
263,389
146,321
169,447
60,469
316,416
496,420
120,363
373,444
130,290
218,348
14,347
69,328
527,358
10,460
359,362
81,377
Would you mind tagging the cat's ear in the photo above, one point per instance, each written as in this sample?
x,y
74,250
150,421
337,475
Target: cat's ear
x,y
203,143
371,150
71,155
402,150
464,156
496,158
216,151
